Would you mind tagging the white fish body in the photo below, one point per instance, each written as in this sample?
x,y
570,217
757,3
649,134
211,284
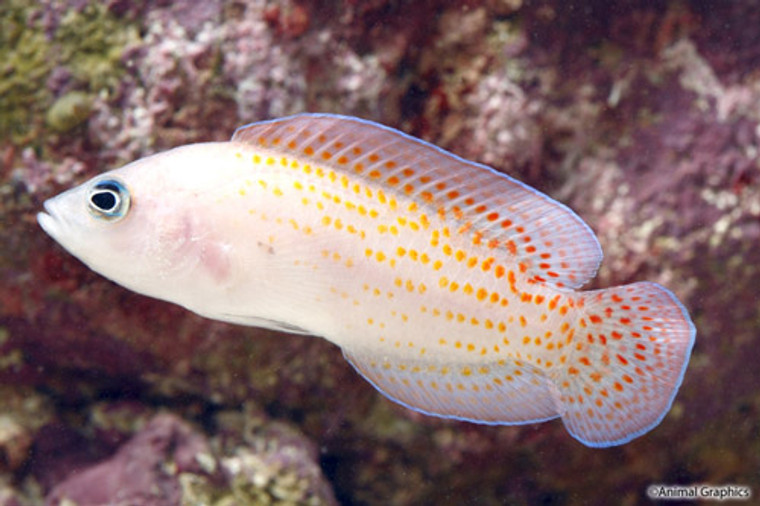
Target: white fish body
x,y
450,287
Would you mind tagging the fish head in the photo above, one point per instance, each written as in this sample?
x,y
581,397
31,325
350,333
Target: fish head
x,y
138,225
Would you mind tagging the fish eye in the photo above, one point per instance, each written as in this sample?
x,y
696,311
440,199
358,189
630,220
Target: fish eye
x,y
109,200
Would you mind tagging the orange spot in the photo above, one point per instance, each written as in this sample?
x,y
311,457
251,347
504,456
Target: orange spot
x,y
622,359
595,319
572,370
393,180
499,272
584,361
308,150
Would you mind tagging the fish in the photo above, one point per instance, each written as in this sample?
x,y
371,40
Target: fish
x,y
452,288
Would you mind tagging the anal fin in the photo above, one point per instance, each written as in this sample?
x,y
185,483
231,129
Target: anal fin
x,y
503,392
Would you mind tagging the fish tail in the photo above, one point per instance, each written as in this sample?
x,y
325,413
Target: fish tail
x,y
626,359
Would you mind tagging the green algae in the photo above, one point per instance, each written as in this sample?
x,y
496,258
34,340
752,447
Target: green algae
x,y
69,111
23,69
86,45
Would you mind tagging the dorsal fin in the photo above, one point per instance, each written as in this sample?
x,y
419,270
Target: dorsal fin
x,y
548,240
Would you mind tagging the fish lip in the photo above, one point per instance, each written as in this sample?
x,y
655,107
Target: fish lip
x,y
47,219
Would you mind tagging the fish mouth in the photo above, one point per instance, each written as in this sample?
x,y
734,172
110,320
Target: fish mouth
x,y
47,220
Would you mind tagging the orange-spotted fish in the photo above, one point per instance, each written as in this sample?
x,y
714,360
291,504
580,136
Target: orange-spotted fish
x,y
452,288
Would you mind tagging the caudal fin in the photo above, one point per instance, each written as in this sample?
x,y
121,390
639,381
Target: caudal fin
x,y
629,352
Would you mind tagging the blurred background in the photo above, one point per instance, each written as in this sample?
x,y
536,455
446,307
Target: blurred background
x,y
642,116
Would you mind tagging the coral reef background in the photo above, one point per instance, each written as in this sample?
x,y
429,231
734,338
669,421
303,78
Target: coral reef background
x,y
642,116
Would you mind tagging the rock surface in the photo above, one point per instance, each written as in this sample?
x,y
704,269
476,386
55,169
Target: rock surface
x,y
642,117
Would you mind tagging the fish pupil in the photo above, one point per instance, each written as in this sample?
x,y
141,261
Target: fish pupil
x,y
105,200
